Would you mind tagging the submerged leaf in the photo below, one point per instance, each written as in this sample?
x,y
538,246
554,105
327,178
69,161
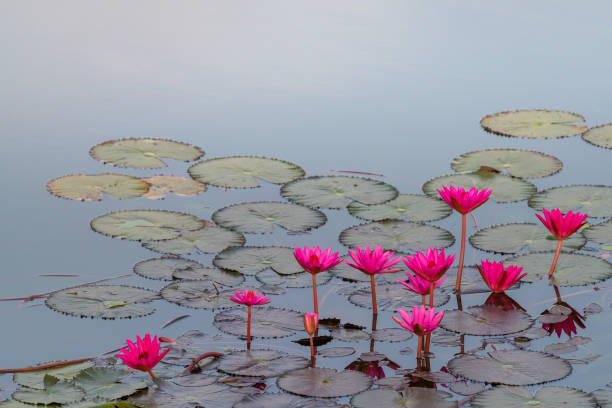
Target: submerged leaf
x,y
485,321
324,382
261,363
208,239
90,188
545,397
181,186
251,260
534,124
517,163
599,136
266,321
596,201
409,207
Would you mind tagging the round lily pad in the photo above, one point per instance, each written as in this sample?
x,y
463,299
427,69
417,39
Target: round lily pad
x,y
596,201
164,268
145,225
283,400
485,321
545,397
251,260
55,392
397,235
296,280
260,217
244,171
208,239
599,136
505,189
200,294
409,207
103,301
571,269
104,383
143,153
600,233
324,382
603,397
266,321
511,238
391,334
393,296
35,379
515,162
332,352
534,124
170,395
180,186
261,363
510,367
90,188
337,191
413,397
471,281
348,333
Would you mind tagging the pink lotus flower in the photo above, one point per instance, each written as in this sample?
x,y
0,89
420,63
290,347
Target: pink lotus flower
x,y
144,355
497,278
249,298
314,261
421,322
311,321
562,226
464,201
419,285
431,265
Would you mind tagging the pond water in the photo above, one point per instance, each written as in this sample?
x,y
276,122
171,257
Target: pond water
x,y
391,88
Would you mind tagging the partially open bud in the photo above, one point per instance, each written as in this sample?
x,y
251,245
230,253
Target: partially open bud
x,y
311,321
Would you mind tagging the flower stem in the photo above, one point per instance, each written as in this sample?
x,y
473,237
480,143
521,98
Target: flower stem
x,y
375,309
249,327
151,374
420,348
554,263
431,292
374,319
312,349
314,293
461,254
423,299
558,294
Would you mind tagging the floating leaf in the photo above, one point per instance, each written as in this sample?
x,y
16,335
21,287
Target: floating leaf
x,y
485,321
511,238
391,334
261,363
92,301
391,297
145,225
471,281
296,280
260,217
35,379
198,295
445,339
337,191
282,400
324,382
510,367
571,269
430,376
517,163
90,188
317,341
534,124
560,348
505,189
10,403
414,397
195,380
170,395
596,201
465,388
251,260
266,321
599,136
272,289
164,268
603,398
143,153
104,382
409,207
209,240
243,171
545,397
600,233
331,352
396,235
592,309
54,393
181,186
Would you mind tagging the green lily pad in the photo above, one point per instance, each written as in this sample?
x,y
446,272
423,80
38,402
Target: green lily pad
x,y
90,188
180,186
252,260
170,395
261,363
571,269
471,281
145,225
103,301
511,238
266,321
393,296
324,382
296,280
534,124
599,136
600,233
164,268
396,235
603,397
282,400
510,367
260,217
200,294
413,397
515,162
54,392
545,397
208,240
143,153
35,379
337,191
11,403
409,207
485,321
505,189
596,201
104,382
243,171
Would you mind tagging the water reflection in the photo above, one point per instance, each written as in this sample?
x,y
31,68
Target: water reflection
x,y
568,325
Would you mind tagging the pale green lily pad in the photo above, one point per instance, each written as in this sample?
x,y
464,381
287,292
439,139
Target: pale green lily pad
x,y
515,162
143,153
409,207
510,367
180,186
260,217
599,136
324,382
261,363
103,301
283,400
200,294
104,383
600,233
603,397
145,225
396,235
596,201
10,403
164,268
534,124
505,189
485,321
545,397
252,260
393,296
413,397
337,191
266,321
90,188
208,240
243,171
54,392
511,238
571,269
296,280
35,379
170,395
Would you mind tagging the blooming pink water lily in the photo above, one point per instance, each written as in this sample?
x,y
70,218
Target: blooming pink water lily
x,y
144,355
430,265
249,298
498,278
464,201
562,226
313,260
418,284
423,321
311,321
